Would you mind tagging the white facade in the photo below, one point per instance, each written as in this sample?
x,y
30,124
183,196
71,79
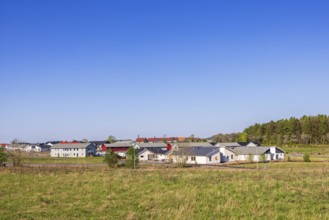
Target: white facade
x,y
72,150
147,155
214,159
270,154
32,148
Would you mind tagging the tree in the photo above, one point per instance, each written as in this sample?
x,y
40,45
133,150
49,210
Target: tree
x,y
132,159
85,140
3,155
111,139
243,137
111,159
16,157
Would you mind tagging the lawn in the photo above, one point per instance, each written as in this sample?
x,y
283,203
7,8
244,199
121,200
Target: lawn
x,y
277,191
55,160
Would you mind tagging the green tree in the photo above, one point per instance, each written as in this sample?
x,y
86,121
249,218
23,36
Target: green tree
x,y
132,158
111,159
3,155
243,137
111,139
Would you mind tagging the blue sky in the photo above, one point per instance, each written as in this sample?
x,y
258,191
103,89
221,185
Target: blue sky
x,y
89,69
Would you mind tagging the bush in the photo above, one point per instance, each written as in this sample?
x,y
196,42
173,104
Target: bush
x,y
307,158
111,159
16,157
3,155
132,158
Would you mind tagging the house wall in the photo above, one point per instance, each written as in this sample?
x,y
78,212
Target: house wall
x,y
144,156
198,159
73,152
227,155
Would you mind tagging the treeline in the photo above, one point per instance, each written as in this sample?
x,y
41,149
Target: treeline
x,y
305,130
232,137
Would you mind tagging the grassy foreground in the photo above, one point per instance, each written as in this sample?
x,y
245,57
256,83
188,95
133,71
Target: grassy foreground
x,y
281,191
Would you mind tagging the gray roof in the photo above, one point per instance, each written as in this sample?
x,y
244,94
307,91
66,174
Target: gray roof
x,y
155,150
121,144
229,144
152,145
65,146
193,144
248,150
196,151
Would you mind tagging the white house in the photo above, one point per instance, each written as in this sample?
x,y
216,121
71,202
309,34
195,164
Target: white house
x,y
229,154
153,154
196,155
32,148
73,150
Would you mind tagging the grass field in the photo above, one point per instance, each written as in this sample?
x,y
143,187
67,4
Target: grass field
x,y
55,160
277,191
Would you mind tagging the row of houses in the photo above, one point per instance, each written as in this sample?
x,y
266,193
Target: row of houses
x,y
189,152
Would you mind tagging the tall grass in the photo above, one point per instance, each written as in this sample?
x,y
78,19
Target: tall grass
x,y
281,191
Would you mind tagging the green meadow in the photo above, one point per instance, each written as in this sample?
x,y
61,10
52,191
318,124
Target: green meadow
x,y
285,190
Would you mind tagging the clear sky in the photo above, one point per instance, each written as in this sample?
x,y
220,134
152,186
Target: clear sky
x,y
89,69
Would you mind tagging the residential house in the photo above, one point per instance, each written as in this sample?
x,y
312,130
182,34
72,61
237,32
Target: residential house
x,y
238,144
196,155
255,154
73,150
120,147
31,148
45,147
153,154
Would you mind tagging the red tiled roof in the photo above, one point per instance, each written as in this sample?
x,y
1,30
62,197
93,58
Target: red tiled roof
x,y
66,142
140,139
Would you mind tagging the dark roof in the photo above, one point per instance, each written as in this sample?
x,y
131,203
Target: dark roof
x,y
98,142
245,143
196,151
155,150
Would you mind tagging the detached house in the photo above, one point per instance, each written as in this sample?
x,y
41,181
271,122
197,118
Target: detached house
x,y
73,150
255,154
196,155
153,151
119,147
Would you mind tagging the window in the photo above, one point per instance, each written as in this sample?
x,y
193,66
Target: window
x,y
186,158
216,158
193,158
209,158
232,156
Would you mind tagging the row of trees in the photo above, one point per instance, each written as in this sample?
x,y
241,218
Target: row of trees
x,y
232,137
305,130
